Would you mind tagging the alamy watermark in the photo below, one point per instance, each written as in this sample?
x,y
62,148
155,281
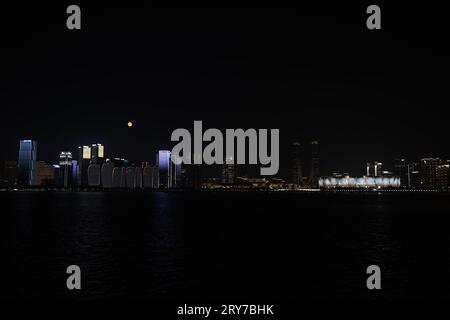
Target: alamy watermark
x,y
235,140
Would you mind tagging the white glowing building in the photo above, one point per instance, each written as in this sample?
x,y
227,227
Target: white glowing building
x,y
359,182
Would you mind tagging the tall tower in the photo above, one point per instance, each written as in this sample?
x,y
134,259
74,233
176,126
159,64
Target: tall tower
x,y
66,170
84,159
163,162
97,154
400,171
228,171
297,172
315,173
429,172
374,169
27,163
175,171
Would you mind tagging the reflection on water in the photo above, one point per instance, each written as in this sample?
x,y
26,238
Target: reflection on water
x,y
209,245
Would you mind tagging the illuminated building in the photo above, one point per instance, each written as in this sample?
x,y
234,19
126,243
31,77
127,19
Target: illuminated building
x,y
97,154
442,179
359,182
413,175
400,170
56,172
374,169
175,171
107,174
130,178
228,171
428,172
297,166
123,178
94,175
117,177
150,180
45,174
163,161
138,178
315,172
84,159
66,169
27,163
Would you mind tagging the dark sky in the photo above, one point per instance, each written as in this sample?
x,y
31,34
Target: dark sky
x,y
313,72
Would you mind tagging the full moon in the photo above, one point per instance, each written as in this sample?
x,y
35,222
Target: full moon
x,y
130,124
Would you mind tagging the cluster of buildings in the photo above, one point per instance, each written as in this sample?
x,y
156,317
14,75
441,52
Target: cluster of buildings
x,y
425,174
89,169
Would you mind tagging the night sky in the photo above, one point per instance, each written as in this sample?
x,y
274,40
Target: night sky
x,y
313,72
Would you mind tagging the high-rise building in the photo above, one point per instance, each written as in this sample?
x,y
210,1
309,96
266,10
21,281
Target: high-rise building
x,y
66,169
75,170
297,165
107,174
442,179
228,171
94,175
374,169
401,171
315,172
150,180
163,161
428,172
27,163
84,160
413,175
139,183
130,179
56,173
97,154
117,177
175,171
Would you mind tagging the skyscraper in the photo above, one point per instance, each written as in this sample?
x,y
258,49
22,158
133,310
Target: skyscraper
x,y
84,159
175,171
150,179
315,172
94,175
297,168
27,163
163,162
428,172
374,169
228,171
107,174
97,154
66,169
401,171
442,179
130,178
413,175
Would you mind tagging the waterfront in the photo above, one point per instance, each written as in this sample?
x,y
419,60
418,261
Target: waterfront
x,y
223,245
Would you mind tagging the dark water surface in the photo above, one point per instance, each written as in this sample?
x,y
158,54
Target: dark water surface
x,y
222,245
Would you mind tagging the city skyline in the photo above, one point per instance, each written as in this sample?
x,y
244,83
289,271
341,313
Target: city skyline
x,y
93,169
